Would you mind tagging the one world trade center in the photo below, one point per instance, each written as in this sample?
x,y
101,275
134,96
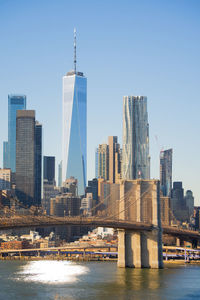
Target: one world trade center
x,y
74,126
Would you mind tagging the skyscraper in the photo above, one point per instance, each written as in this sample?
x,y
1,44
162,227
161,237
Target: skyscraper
x,y
103,161
178,202
60,173
108,160
28,158
38,163
166,172
114,158
49,189
189,199
15,102
74,128
25,156
96,162
49,169
135,151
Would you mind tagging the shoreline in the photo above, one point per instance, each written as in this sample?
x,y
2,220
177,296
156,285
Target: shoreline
x,y
37,258
87,259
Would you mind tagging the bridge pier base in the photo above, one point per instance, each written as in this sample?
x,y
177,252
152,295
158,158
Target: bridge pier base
x,y
151,248
140,250
129,249
121,262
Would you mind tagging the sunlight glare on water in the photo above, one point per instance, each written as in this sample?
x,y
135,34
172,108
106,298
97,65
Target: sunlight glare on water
x,y
51,272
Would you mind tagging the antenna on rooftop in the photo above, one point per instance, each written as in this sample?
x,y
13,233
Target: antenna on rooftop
x,y
75,50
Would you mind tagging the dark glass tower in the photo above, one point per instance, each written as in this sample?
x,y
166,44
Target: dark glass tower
x,y
49,169
25,156
93,188
28,158
38,162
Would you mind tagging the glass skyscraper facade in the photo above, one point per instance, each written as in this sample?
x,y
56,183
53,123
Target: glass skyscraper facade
x,y
38,163
49,169
166,172
74,129
96,162
28,158
60,173
25,156
135,152
15,103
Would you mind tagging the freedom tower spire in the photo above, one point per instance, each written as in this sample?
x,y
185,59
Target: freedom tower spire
x,y
75,50
74,126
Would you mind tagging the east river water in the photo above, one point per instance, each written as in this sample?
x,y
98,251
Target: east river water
x,y
65,280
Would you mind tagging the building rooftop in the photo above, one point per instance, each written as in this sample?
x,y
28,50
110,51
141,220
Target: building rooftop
x,y
70,73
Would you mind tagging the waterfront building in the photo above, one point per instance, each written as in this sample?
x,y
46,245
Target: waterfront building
x,y
15,103
28,158
135,152
166,172
49,169
74,127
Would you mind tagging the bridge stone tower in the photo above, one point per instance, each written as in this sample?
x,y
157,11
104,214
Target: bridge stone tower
x,y
140,202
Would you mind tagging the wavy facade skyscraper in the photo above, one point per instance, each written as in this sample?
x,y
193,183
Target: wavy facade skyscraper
x,y
135,152
74,127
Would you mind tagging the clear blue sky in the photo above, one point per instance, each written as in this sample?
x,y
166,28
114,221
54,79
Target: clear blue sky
x,y
142,47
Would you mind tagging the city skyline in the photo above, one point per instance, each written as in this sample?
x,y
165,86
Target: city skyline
x,y
173,82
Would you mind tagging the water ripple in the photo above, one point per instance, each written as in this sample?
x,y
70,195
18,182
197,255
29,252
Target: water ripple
x,y
51,272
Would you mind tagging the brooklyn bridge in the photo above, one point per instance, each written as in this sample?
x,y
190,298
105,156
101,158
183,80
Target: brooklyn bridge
x,y
136,215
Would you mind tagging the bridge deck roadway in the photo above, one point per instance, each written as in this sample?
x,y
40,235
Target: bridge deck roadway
x,y
182,233
45,221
